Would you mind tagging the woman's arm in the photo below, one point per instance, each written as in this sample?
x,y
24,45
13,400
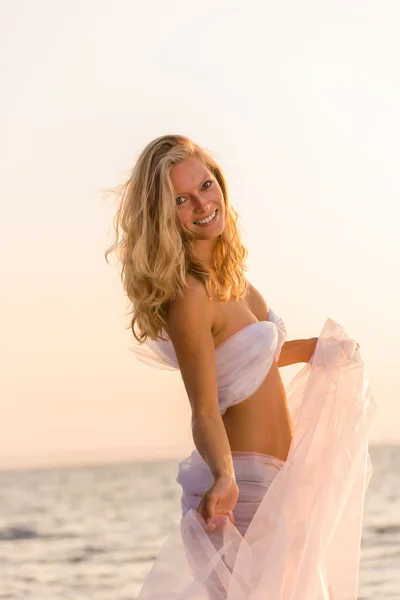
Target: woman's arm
x,y
190,322
297,351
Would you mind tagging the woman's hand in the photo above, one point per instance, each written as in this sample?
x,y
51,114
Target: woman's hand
x,y
218,502
311,345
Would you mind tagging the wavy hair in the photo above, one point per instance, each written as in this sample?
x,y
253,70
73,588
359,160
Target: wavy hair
x,y
155,253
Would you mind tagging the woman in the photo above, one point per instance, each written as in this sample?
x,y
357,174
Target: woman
x,y
272,496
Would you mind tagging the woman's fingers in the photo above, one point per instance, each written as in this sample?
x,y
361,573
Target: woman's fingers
x,y
211,515
206,507
210,504
218,502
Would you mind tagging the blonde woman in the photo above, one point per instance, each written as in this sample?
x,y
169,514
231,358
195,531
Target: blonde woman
x,y
272,495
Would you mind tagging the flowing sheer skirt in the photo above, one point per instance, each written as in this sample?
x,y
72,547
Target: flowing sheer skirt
x,y
298,523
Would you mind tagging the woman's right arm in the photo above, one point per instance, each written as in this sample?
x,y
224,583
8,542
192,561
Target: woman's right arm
x,y
190,322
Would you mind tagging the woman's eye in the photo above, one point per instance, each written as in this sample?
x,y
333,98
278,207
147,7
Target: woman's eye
x,y
207,183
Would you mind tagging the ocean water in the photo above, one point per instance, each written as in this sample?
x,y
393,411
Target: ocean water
x,y
93,532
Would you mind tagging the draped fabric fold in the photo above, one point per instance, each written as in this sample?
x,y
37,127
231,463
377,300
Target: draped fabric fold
x,y
297,528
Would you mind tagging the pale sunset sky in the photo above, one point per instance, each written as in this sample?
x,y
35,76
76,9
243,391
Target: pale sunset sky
x,y
298,101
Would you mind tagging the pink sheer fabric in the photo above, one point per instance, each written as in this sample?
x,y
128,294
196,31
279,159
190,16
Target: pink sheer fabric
x,y
298,523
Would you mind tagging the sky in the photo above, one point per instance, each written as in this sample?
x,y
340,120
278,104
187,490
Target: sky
x,y
298,102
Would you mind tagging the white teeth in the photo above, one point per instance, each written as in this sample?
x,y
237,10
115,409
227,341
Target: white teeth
x,y
207,219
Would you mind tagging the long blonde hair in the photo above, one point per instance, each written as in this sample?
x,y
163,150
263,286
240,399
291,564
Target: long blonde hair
x,y
155,253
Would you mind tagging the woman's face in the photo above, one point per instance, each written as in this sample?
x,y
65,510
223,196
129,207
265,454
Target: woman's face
x,y
198,196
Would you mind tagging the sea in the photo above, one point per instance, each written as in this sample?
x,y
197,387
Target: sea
x,y
93,531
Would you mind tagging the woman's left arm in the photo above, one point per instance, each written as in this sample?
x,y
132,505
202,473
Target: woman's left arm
x,y
297,351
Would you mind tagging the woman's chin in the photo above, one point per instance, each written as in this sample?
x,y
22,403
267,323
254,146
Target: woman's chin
x,y
211,235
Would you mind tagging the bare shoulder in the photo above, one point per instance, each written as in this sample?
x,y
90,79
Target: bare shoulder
x,y
191,308
190,321
257,302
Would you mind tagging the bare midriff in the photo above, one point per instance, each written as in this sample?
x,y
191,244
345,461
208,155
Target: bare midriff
x,y
261,423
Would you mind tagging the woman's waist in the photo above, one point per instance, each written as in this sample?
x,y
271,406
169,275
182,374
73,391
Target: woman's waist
x,y
270,442
250,467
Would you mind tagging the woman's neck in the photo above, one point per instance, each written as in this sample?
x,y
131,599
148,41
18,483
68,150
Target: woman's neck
x,y
203,250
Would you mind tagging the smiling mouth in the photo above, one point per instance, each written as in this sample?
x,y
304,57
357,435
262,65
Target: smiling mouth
x,y
208,219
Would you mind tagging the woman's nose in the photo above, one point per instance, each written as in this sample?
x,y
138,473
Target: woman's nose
x,y
201,204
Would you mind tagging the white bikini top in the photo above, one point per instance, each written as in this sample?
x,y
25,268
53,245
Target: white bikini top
x,y
242,361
